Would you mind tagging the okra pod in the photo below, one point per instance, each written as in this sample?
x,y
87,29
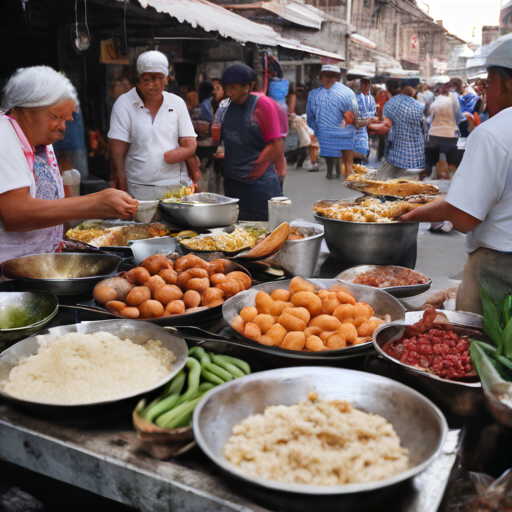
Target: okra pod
x,y
193,379
200,354
237,362
210,377
161,407
220,372
231,368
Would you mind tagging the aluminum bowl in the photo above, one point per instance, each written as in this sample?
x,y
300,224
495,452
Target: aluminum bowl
x,y
371,243
381,302
400,292
61,273
38,308
418,422
203,210
138,332
460,398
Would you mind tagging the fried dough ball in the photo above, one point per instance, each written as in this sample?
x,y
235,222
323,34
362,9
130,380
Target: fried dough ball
x,y
167,293
195,310
325,322
252,331
298,284
349,332
266,340
151,309
363,310
217,279
183,279
212,297
276,333
278,307
115,306
291,323
230,287
346,298
314,343
312,331
360,320
264,322
325,335
301,313
199,284
248,313
138,276
176,307
189,261
343,312
362,339
336,341
329,302
217,266
169,275
280,295
132,313
240,276
198,272
138,295
367,328
155,263
153,283
294,341
192,299
238,324
308,300
264,303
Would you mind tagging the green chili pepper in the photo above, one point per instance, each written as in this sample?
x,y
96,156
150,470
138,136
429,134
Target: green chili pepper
x,y
169,418
220,372
161,407
210,377
237,362
231,368
194,377
200,354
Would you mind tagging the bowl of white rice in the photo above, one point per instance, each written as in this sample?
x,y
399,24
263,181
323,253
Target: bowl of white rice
x,y
318,438
89,366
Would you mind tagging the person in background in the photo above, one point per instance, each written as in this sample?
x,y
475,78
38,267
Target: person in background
x,y
252,136
205,92
467,99
191,99
367,112
405,144
444,130
151,133
381,99
481,114
331,115
32,204
479,200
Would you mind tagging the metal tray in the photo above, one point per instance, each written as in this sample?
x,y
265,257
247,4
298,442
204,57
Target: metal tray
x,y
400,292
381,302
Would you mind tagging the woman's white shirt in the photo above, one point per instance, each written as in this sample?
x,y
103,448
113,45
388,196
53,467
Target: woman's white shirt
x,y
150,138
482,185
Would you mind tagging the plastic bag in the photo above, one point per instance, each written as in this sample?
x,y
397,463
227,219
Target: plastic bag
x,y
482,493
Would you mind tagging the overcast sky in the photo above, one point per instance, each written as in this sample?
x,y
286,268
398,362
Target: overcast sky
x,y
460,16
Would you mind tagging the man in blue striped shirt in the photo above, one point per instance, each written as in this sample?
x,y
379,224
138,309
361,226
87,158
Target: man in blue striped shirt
x,y
331,114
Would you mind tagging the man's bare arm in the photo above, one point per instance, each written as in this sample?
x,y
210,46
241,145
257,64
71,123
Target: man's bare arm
x,y
118,150
187,149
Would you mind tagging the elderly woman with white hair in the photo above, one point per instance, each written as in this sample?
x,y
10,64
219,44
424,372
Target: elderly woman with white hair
x,y
151,134
37,102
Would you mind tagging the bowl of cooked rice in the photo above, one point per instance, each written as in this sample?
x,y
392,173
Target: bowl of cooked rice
x,y
318,437
89,367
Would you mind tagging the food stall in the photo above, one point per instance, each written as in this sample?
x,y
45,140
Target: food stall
x,y
196,363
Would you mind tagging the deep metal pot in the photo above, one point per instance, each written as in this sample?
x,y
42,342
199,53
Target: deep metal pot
x,y
372,243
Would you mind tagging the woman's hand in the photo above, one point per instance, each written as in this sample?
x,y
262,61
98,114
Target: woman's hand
x,y
116,204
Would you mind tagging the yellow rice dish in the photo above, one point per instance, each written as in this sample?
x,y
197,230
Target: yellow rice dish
x,y
228,242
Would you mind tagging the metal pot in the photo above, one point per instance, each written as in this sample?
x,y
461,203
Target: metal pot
x,y
372,243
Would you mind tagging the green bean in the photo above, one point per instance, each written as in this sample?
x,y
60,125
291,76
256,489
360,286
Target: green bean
x,y
171,416
237,362
174,387
210,377
220,372
161,407
200,354
193,379
186,421
231,368
205,386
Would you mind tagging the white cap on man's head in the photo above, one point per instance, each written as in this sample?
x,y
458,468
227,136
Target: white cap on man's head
x,y
152,62
501,53
330,67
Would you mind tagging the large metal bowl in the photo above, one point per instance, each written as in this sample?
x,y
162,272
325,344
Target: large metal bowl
x,y
372,243
36,308
381,302
137,332
459,398
202,210
418,422
61,273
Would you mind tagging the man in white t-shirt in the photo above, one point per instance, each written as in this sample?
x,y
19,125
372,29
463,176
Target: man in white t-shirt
x,y
479,201
151,133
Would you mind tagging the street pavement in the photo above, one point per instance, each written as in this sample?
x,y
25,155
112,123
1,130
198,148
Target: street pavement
x,y
441,256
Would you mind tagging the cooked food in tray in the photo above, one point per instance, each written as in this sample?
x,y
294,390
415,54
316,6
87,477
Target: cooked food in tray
x,y
235,241
304,318
433,348
397,187
176,195
390,276
98,234
367,209
317,442
161,287
80,368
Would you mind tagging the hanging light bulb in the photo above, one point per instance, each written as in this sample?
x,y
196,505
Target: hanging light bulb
x,y
81,35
